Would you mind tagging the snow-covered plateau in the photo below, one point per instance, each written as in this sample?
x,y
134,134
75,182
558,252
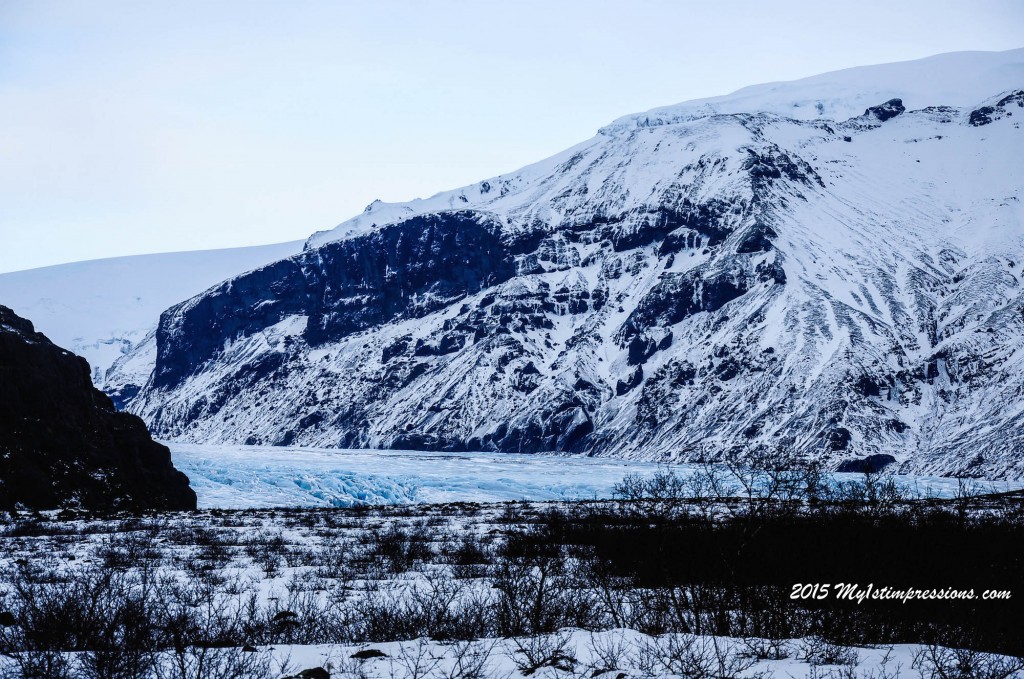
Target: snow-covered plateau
x,y
103,309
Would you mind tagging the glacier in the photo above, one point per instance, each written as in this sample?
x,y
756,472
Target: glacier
x,y
242,477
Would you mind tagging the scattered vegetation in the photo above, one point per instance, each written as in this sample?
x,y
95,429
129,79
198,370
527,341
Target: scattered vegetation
x,y
726,552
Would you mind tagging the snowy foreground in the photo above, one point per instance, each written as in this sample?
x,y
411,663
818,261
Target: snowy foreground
x,y
590,654
431,591
239,477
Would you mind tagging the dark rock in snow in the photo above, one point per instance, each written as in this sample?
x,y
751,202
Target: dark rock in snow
x,y
61,441
315,673
886,111
839,438
630,383
867,465
407,270
981,116
759,239
640,349
987,114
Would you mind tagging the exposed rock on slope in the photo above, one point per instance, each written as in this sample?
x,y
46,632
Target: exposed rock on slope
x,y
62,443
797,266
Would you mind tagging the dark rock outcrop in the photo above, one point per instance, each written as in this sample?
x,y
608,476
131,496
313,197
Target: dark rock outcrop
x,y
987,114
886,111
61,441
867,465
407,270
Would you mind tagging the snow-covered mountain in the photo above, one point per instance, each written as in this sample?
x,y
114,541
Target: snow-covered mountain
x,y
830,266
105,309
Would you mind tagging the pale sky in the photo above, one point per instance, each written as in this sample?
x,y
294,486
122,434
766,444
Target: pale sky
x,y
146,126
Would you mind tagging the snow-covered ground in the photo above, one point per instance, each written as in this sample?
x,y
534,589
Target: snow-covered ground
x,y
316,575
587,655
278,476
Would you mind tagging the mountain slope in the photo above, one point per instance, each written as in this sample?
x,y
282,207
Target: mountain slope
x,y
62,444
734,274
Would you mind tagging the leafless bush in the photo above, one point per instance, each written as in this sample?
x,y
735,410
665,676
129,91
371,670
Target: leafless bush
x,y
694,657
937,662
544,650
399,549
267,551
471,660
539,596
433,605
40,664
351,668
210,662
766,649
467,557
124,551
884,670
414,660
331,560
101,611
204,634
816,650
608,652
660,496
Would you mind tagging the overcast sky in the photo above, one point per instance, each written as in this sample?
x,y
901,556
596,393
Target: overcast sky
x,y
134,127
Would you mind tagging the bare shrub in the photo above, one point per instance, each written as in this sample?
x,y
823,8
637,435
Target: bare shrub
x,y
332,560
414,660
937,662
544,650
102,612
694,657
470,660
432,606
267,551
210,662
816,650
608,652
399,549
766,649
539,596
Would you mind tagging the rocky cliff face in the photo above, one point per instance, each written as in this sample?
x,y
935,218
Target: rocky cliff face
x,y
62,443
691,282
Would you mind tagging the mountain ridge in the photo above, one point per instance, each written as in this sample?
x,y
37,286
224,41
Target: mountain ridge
x,y
728,282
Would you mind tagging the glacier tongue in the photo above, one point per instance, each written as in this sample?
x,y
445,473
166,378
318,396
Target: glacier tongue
x,y
244,477
737,280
